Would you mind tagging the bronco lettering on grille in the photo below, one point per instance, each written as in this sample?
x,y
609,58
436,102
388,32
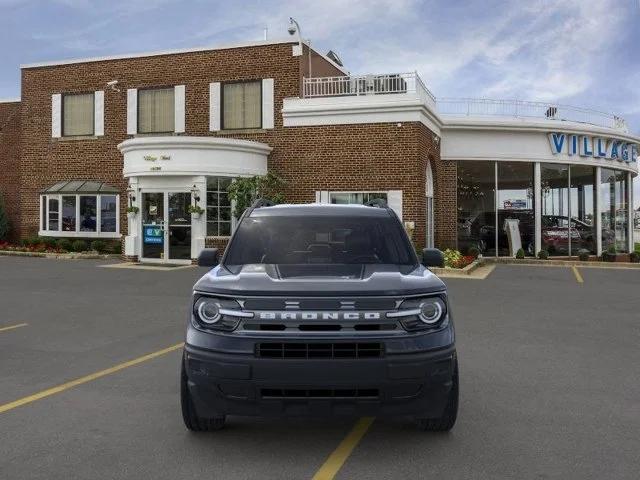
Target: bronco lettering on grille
x,y
318,315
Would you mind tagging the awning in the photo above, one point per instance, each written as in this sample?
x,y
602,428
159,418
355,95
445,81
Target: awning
x,y
80,187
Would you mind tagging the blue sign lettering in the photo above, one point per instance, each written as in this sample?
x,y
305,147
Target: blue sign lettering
x,y
557,142
598,147
153,235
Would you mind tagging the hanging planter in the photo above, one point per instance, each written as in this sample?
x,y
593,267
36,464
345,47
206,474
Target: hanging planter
x,y
132,212
195,211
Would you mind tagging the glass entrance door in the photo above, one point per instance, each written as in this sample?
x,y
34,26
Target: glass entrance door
x,y
153,226
179,243
166,226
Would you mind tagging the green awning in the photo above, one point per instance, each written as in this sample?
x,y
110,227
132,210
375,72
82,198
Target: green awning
x,y
81,187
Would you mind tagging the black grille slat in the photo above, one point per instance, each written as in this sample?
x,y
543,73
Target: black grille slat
x,y
319,350
312,393
321,304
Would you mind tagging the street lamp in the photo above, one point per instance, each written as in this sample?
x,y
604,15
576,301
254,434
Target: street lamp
x,y
294,27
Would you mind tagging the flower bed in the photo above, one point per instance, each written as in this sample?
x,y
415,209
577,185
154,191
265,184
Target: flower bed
x,y
34,248
454,259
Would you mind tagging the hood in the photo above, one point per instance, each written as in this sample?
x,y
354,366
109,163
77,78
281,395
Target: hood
x,y
321,280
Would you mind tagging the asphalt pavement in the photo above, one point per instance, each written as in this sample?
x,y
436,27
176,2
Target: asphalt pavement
x,y
549,378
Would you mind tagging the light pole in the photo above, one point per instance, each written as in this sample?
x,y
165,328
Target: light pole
x,y
294,27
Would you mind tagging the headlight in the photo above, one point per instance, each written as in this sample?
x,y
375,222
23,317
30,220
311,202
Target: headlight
x,y
208,310
217,313
421,313
431,311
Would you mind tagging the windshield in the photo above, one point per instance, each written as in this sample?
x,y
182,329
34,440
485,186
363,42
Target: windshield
x,y
319,240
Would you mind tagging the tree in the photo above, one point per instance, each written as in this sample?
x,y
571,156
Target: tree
x,y
4,220
246,190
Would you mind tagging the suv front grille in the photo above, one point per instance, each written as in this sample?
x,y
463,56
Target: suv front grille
x,y
320,350
320,392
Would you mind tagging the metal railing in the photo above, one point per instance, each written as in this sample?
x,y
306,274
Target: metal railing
x,y
393,83
525,109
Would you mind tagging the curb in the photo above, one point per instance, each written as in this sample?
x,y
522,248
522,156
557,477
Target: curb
x,y
561,263
61,256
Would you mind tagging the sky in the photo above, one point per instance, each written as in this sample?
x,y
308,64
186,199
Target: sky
x,y
576,52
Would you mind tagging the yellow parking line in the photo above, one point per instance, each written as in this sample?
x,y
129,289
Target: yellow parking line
x,y
79,381
11,327
335,461
577,274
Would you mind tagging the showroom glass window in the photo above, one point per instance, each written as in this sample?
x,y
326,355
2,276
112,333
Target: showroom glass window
x,y
156,110
515,207
476,206
218,207
583,203
78,215
358,198
77,114
554,203
241,105
613,210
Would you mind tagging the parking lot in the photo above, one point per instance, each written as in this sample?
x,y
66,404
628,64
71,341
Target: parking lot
x,y
549,372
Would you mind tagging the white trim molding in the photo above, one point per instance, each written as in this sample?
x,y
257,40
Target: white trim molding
x,y
186,155
393,108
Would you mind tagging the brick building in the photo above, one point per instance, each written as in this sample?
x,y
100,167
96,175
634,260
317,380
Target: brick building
x,y
163,131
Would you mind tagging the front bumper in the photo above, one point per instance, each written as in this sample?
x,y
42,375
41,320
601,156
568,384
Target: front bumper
x,y
408,384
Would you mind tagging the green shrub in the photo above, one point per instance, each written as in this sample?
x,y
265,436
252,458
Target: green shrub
x,y
634,257
114,247
64,244
543,254
583,255
50,242
99,246
474,252
520,253
79,246
452,257
30,241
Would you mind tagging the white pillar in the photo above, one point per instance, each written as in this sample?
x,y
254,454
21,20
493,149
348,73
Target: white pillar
x,y
598,218
537,196
199,225
132,245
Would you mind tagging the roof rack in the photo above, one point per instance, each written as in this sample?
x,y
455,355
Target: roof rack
x,y
376,202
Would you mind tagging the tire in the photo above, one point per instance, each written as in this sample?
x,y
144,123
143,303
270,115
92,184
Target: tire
x,y
191,419
448,418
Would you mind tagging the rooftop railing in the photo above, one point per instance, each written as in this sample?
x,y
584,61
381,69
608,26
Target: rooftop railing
x,y
411,83
357,85
524,109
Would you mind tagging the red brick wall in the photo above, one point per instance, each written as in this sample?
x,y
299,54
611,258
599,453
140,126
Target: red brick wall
x,y
341,157
9,161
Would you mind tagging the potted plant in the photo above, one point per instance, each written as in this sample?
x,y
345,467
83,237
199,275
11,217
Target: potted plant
x,y
132,211
583,255
610,254
520,254
195,211
543,255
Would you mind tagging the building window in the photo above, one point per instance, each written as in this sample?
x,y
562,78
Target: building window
x,y
582,198
218,207
515,203
477,207
78,114
359,198
614,210
156,110
78,215
242,105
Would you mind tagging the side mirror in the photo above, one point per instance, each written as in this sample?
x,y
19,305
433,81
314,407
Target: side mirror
x,y
432,257
208,257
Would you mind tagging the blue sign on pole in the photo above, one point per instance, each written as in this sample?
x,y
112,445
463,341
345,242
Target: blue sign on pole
x,y
153,235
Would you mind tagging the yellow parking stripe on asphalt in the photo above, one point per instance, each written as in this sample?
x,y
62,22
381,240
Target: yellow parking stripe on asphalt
x,y
577,274
87,378
335,461
11,327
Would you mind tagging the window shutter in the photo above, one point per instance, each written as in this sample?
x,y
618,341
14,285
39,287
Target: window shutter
x,y
394,200
267,103
98,112
56,115
179,111
132,111
214,107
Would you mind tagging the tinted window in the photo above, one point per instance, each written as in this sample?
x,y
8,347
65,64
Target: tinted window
x,y
320,240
